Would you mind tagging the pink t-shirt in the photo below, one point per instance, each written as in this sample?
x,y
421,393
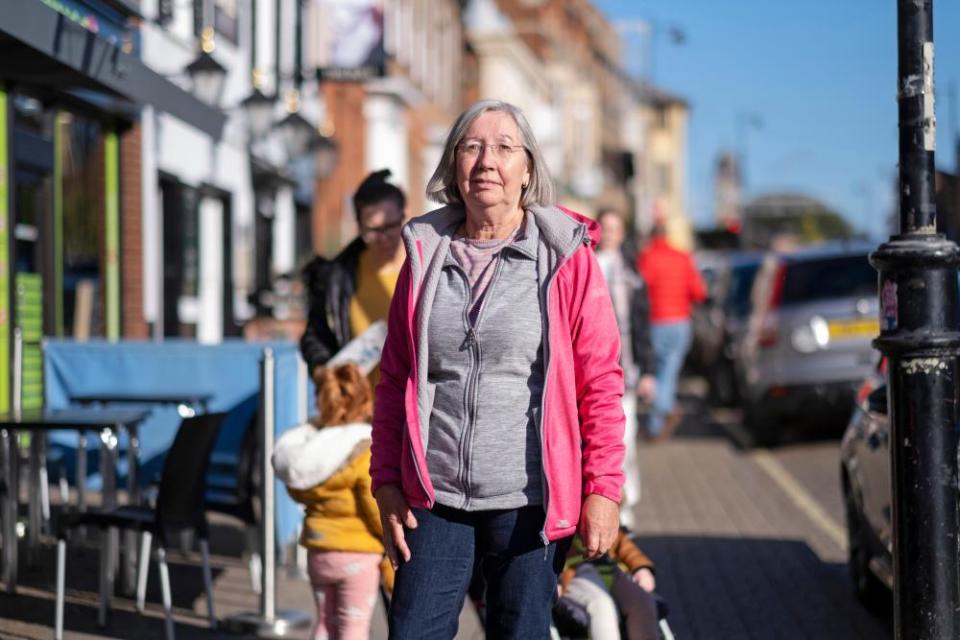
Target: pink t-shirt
x,y
478,259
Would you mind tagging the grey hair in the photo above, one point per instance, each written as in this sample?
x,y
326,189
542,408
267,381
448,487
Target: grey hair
x,y
442,186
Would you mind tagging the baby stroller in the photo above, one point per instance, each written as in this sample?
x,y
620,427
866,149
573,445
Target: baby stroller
x,y
571,621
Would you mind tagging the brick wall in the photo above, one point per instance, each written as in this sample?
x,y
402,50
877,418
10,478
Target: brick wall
x,y
133,324
345,104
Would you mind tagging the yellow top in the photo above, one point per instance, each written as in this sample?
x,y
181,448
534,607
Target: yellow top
x,y
341,514
371,300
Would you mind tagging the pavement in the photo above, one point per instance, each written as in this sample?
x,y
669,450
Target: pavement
x,y
749,544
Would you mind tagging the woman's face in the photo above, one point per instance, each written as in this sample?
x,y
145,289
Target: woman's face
x,y
492,175
380,226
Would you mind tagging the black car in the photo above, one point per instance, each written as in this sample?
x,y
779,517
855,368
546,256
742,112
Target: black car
x,y
867,488
734,285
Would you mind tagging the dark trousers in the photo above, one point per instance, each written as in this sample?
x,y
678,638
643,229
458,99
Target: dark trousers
x,y
519,573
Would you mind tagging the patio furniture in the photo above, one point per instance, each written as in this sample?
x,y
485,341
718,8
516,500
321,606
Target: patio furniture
x,y
108,423
186,397
179,506
233,488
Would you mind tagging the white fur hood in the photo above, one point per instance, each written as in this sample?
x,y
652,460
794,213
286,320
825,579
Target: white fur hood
x,y
306,456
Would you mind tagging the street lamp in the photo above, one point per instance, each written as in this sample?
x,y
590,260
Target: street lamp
x,y
206,74
208,77
326,153
296,133
743,123
918,334
258,109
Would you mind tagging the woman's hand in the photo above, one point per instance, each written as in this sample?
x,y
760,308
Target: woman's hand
x,y
599,525
395,514
644,577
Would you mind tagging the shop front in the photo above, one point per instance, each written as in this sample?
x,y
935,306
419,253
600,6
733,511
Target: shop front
x,y
72,88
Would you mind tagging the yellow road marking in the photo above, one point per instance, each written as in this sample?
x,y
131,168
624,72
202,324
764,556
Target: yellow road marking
x,y
801,498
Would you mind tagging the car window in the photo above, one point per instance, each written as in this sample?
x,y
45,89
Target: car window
x,y
821,279
741,283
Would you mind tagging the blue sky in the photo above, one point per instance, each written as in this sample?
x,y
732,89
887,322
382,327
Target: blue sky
x,y
821,74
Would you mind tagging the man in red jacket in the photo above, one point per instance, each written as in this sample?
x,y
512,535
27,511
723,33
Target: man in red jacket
x,y
674,286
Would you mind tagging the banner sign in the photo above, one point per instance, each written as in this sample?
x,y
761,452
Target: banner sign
x,y
349,39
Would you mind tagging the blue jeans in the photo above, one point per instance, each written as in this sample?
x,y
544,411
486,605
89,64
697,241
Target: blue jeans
x,y
670,341
519,572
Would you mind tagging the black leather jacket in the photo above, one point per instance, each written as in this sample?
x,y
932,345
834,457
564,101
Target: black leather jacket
x,y
330,284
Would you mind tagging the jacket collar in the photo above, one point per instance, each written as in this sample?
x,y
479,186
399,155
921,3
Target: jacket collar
x,y
561,230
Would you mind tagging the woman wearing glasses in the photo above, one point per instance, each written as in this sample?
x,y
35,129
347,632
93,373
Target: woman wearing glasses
x,y
352,291
498,425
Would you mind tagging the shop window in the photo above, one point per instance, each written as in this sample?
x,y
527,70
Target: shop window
x,y
81,160
181,259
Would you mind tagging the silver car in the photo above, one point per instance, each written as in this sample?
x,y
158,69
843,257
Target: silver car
x,y
807,345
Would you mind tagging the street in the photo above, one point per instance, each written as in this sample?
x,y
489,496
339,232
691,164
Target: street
x,y
749,542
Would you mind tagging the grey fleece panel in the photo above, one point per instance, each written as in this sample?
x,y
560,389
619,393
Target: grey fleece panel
x,y
484,426
434,230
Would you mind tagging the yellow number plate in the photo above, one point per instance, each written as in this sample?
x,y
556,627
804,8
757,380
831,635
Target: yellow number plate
x,y
840,329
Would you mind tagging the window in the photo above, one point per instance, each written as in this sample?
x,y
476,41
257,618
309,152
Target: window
x,y
181,258
224,18
822,279
82,160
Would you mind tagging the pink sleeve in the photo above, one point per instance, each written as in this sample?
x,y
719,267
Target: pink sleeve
x,y
389,413
596,353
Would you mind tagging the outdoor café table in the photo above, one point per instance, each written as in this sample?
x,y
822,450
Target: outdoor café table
x,y
107,422
193,399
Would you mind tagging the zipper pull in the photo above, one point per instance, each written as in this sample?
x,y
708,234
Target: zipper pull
x,y
470,340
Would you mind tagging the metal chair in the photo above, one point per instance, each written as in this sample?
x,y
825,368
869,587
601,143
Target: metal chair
x,y
233,488
179,506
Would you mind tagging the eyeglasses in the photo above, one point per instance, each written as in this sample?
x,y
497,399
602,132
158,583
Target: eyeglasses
x,y
391,227
499,151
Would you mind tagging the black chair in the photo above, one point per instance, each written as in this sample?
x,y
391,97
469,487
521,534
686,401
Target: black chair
x,y
233,488
180,506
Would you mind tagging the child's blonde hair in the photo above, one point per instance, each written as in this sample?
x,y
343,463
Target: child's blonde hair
x,y
343,395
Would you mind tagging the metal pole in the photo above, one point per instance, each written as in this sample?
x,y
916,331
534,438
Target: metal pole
x,y
918,313
267,539
268,622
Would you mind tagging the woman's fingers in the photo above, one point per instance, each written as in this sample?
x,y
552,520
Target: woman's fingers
x,y
599,525
591,543
395,513
389,546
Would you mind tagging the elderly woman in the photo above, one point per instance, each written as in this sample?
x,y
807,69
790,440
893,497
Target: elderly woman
x,y
498,426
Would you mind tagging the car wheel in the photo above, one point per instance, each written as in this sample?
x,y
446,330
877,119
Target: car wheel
x,y
723,388
866,586
761,425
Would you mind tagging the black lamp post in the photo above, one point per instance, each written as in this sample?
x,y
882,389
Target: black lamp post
x,y
258,108
297,133
326,153
208,78
918,334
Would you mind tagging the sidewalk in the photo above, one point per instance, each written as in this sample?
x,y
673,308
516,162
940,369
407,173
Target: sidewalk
x,y
736,556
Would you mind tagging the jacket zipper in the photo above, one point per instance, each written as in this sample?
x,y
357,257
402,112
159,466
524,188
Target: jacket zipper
x,y
543,398
472,390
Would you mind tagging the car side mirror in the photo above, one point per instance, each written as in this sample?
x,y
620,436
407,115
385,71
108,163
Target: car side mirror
x,y
877,400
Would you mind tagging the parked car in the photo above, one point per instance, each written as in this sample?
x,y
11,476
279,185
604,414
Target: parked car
x,y
733,308
866,484
807,344
707,318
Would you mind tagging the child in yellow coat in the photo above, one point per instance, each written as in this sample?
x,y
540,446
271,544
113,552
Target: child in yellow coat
x,y
326,467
